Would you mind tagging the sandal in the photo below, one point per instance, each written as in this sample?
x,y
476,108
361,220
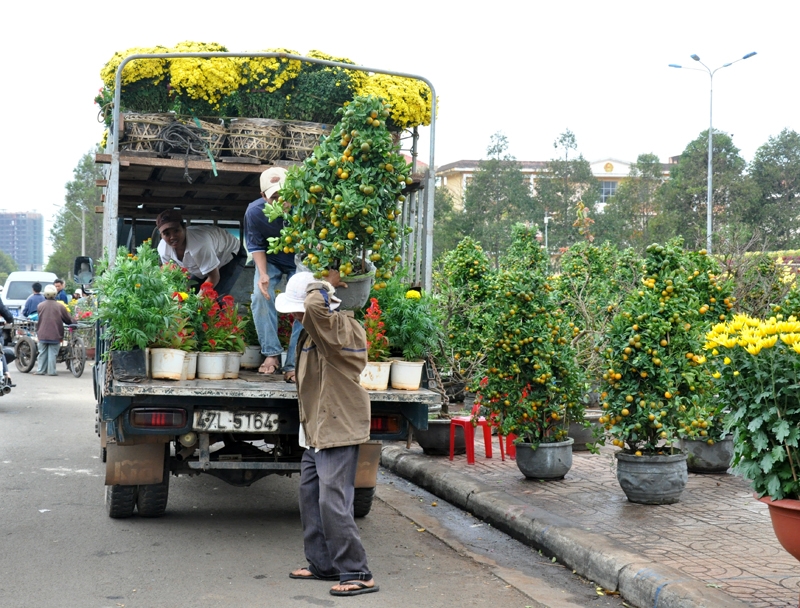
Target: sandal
x,y
290,377
360,588
311,576
269,369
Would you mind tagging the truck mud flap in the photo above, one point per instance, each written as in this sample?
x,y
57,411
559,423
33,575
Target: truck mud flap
x,y
135,464
369,457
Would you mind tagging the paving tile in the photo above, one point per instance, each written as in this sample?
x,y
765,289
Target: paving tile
x,y
717,533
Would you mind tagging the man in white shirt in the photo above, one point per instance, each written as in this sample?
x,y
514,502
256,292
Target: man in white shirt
x,y
207,252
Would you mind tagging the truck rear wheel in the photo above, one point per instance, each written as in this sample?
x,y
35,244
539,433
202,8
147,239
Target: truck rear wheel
x,y
152,498
362,502
120,501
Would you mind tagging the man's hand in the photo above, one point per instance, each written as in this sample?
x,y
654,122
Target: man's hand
x,y
263,284
335,279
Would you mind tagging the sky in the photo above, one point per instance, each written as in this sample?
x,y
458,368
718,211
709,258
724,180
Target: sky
x,y
530,70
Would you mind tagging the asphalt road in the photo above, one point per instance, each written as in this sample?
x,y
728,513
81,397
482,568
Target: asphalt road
x,y
219,545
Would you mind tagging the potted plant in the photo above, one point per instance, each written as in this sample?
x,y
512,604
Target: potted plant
x,y
703,438
252,358
221,342
344,202
653,368
756,365
132,297
533,384
376,374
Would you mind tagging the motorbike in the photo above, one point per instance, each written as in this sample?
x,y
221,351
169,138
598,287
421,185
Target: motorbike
x,y
5,382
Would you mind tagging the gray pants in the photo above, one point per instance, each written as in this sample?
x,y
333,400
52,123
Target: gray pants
x,y
330,535
47,358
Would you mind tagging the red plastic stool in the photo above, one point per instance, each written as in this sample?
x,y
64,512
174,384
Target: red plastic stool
x,y
465,422
511,449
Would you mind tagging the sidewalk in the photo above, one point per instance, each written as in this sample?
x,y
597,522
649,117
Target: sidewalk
x,y
715,548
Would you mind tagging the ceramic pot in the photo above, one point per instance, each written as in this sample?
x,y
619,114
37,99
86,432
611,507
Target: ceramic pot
x,y
435,441
406,375
252,357
652,480
232,363
581,434
166,363
211,366
704,458
547,461
785,515
375,376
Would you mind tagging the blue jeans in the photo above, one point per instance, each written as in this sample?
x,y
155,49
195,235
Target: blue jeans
x,y
265,317
47,358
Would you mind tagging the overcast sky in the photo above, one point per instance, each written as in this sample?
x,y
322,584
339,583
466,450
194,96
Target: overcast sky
x,y
528,69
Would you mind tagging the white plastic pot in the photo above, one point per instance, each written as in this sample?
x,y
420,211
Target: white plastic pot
x,y
252,357
375,376
211,366
166,363
406,375
232,364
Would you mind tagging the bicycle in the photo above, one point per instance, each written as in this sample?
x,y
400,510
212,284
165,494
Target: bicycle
x,y
73,353
72,350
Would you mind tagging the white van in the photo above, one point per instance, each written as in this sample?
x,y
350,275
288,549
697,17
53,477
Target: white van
x,y
19,285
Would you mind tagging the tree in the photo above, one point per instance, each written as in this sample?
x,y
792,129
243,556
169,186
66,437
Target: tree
x,y
497,198
682,203
626,218
82,195
775,171
7,266
566,182
447,222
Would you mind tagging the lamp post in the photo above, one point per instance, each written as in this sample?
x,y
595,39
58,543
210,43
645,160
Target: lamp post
x,y
709,203
546,220
83,227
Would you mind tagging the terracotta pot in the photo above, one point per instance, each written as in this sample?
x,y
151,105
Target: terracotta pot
x,y
785,515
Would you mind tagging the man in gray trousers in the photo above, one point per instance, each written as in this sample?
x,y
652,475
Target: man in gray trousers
x,y
334,421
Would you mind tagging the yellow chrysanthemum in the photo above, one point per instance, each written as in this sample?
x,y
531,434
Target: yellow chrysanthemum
x,y
726,361
413,294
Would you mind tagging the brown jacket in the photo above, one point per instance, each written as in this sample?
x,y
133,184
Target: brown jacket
x,y
52,316
331,354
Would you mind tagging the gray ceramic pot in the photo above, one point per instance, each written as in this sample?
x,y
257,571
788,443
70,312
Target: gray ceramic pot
x,y
547,461
652,480
436,440
704,458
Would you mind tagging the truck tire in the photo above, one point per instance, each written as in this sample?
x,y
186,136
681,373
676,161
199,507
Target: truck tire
x,y
152,498
120,501
362,502
26,352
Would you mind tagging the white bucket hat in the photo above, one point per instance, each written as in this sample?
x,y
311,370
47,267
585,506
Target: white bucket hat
x,y
293,299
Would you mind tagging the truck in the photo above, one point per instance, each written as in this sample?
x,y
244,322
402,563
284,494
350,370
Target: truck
x,y
238,430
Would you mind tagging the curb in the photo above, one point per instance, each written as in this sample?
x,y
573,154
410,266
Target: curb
x,y
645,584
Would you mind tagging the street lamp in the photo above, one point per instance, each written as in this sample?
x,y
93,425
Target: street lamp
x,y
83,227
547,218
711,73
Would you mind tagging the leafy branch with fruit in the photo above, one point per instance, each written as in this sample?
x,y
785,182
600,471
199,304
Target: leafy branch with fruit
x,y
346,198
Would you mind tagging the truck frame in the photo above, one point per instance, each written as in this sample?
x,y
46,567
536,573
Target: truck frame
x,y
237,430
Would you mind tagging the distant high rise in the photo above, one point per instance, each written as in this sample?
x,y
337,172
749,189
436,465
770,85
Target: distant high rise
x,y
22,237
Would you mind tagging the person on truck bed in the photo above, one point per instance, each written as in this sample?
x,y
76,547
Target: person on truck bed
x,y
207,252
334,421
270,268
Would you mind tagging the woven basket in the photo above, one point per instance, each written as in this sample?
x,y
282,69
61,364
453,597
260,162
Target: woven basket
x,y
301,137
140,132
213,134
256,138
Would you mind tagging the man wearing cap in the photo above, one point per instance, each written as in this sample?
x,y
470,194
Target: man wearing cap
x,y
270,268
207,252
334,421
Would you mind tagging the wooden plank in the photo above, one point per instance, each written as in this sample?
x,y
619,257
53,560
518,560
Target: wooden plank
x,y
179,201
202,165
102,198
101,183
181,188
99,209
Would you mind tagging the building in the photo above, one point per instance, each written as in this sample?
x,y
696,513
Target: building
x,y
22,237
609,172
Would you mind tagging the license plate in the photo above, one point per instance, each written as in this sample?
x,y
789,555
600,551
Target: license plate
x,y
235,422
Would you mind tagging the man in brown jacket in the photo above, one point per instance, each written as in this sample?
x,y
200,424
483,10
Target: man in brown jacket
x,y
50,330
334,420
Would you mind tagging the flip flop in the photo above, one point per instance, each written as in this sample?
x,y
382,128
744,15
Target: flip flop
x,y
313,577
271,370
290,377
360,590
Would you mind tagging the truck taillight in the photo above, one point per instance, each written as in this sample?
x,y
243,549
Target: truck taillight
x,y
161,418
385,424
